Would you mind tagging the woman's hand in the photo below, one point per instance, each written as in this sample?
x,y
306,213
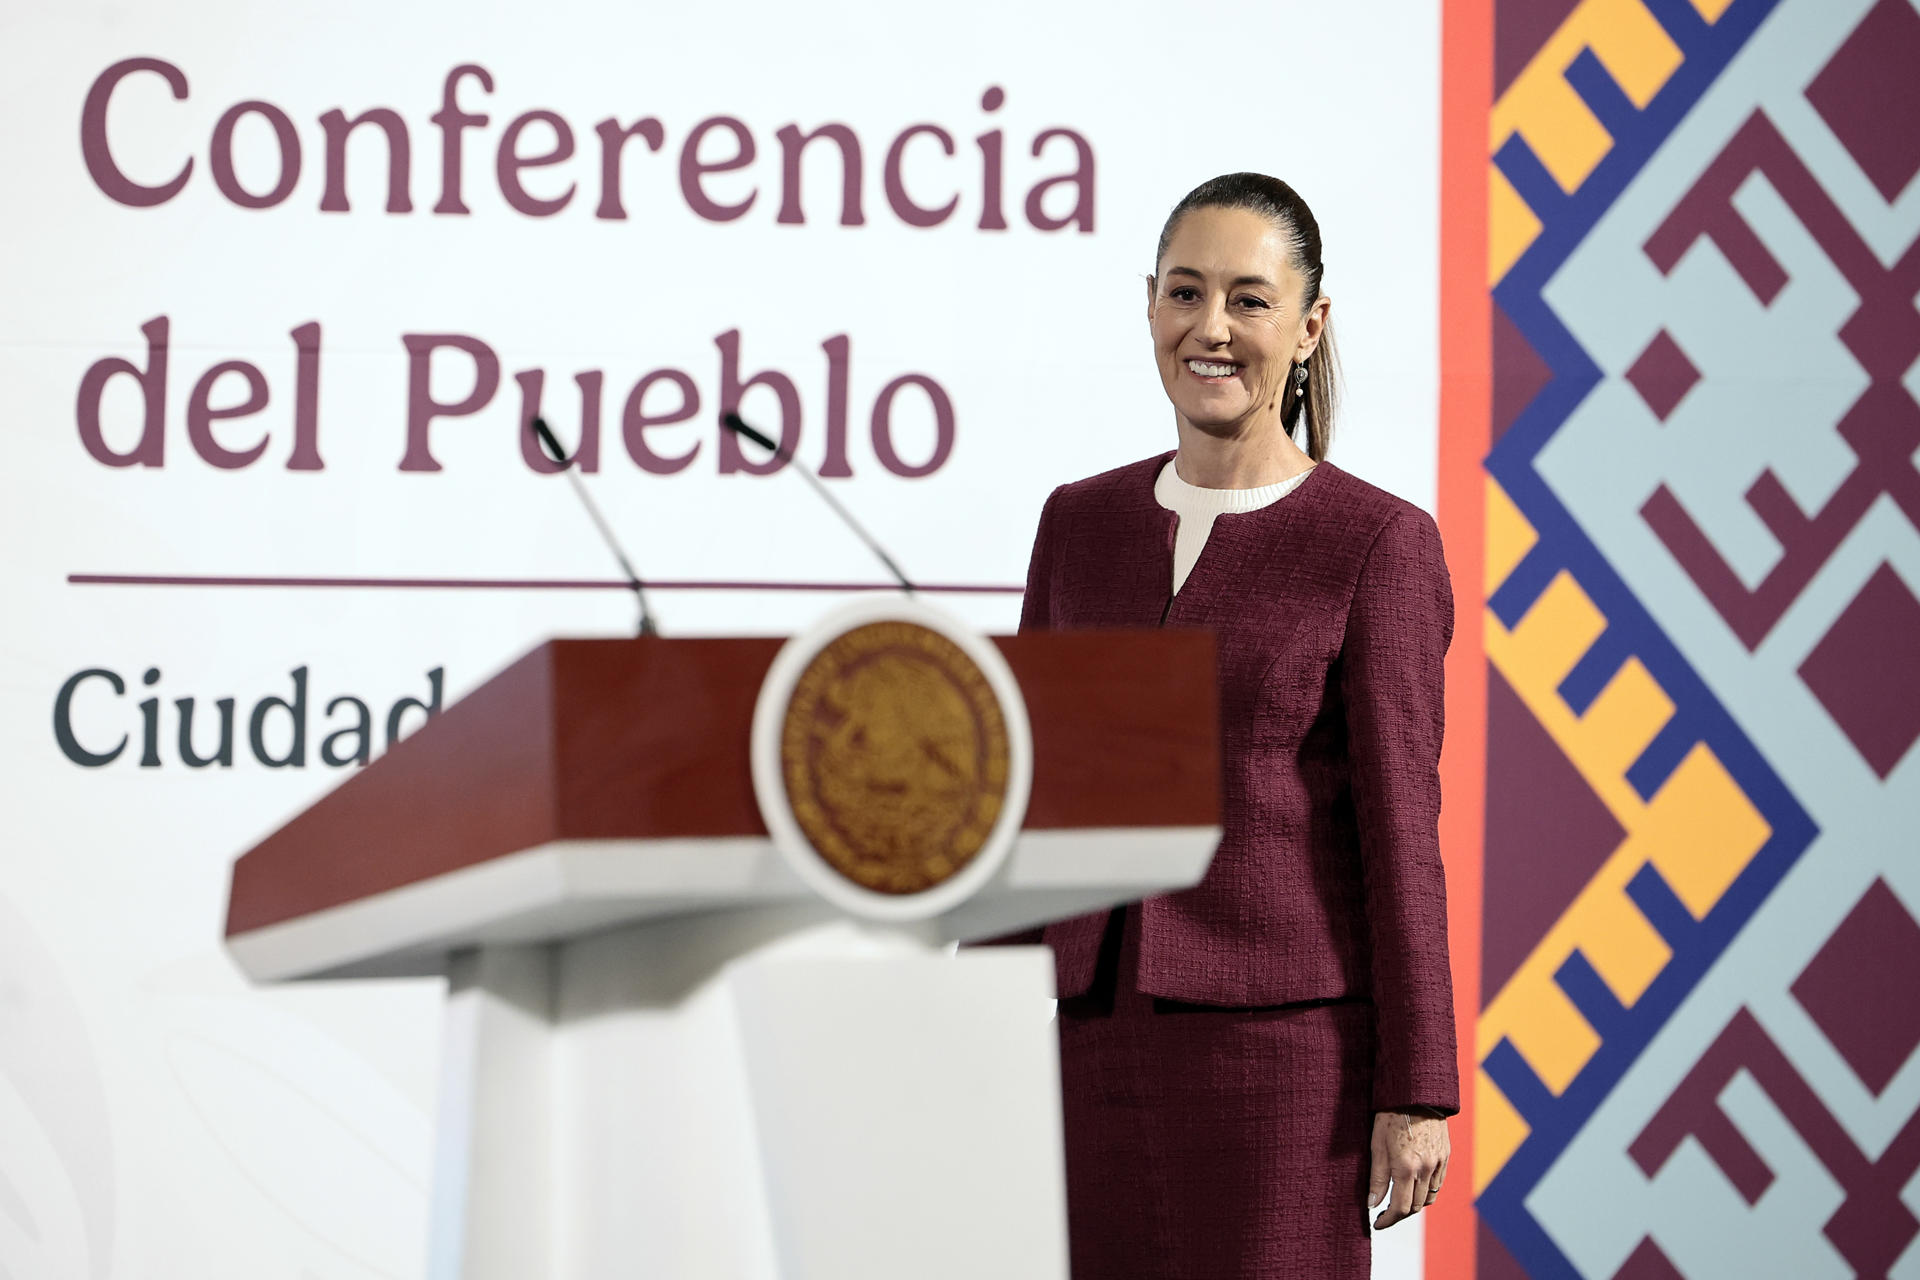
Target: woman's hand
x,y
1411,1151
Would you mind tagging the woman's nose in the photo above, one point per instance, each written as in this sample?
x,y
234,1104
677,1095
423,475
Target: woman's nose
x,y
1212,327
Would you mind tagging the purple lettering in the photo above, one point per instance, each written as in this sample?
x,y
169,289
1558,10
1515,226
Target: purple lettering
x,y
306,399
452,120
693,169
612,139
509,163
586,454
635,421
222,157
732,458
792,143
151,451
201,414
1081,178
839,351
93,136
942,426
399,158
992,217
422,408
903,206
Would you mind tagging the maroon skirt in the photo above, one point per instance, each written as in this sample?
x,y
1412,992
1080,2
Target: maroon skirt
x,y
1213,1143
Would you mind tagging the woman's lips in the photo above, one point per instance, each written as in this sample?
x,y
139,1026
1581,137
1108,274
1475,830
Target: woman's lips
x,y
1213,370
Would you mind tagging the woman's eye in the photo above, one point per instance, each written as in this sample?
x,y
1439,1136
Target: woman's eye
x,y
1254,303
1185,293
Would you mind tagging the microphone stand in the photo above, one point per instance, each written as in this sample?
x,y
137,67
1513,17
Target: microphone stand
x,y
738,425
551,444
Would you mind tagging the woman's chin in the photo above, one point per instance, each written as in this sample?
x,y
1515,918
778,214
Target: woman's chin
x,y
1214,420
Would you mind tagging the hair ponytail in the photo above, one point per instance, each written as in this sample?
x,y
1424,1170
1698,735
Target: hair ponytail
x,y
1317,399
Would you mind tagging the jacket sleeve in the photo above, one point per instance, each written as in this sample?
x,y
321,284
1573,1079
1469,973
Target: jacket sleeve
x,y
1036,614
1036,607
1392,683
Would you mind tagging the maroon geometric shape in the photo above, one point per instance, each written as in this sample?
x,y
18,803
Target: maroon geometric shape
x,y
1884,333
1872,1226
1518,372
1865,673
1546,835
1491,1259
1520,28
1648,1263
1858,988
1867,1236
1663,375
1869,95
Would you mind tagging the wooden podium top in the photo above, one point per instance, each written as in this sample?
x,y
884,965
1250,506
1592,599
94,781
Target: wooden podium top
x,y
646,739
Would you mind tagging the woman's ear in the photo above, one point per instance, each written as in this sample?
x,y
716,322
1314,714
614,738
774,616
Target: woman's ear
x,y
1153,296
1315,325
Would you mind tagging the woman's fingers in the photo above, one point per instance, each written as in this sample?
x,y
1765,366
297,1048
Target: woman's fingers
x,y
1410,1154
1409,1196
1382,1164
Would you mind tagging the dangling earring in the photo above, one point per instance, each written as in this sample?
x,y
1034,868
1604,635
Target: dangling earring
x,y
1300,375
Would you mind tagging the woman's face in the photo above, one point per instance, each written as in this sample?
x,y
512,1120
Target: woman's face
x,y
1225,311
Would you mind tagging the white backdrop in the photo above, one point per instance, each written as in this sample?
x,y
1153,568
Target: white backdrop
x,y
158,1118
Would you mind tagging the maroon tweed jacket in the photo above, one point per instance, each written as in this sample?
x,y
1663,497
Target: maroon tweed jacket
x,y
1333,611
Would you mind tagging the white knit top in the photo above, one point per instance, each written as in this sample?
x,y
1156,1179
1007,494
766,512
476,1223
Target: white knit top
x,y
1197,509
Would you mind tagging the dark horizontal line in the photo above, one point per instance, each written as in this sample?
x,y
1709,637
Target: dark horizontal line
x,y
515,584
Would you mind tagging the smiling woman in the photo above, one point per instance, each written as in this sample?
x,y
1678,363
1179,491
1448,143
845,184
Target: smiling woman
x,y
1200,306
1251,1064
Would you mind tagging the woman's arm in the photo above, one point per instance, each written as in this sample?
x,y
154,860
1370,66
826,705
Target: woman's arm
x,y
1392,673
1036,612
1392,676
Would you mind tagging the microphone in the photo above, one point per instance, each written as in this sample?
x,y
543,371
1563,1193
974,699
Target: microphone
x,y
738,425
551,443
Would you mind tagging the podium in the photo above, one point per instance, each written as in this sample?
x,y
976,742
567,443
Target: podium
x,y
666,1053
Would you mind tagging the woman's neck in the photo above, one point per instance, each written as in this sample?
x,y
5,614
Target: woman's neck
x,y
1243,460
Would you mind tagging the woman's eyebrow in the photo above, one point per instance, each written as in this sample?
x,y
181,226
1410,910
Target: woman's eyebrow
x,y
1238,280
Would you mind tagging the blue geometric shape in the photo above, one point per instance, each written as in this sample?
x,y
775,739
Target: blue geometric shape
x,y
1656,763
1522,1087
1649,891
1595,669
1512,598
1531,180
1591,995
1684,25
1589,78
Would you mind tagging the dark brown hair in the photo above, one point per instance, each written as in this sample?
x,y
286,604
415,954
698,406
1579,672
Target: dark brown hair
x,y
1280,204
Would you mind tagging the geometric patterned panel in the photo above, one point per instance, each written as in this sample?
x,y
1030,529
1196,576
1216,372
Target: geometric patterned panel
x,y
1699,1042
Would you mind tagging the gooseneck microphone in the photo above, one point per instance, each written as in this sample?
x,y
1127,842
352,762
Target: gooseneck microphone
x,y
551,444
738,425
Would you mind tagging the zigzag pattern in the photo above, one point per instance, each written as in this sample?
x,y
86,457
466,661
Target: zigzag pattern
x,y
1710,827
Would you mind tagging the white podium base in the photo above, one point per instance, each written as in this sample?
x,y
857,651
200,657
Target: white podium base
x,y
774,1093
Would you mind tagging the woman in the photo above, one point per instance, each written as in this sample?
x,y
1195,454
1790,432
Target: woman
x,y
1252,1064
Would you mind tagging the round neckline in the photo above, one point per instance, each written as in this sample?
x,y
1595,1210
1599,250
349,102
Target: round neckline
x,y
1173,460
1292,486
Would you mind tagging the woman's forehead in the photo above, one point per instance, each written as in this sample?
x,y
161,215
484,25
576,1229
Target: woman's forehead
x,y
1232,243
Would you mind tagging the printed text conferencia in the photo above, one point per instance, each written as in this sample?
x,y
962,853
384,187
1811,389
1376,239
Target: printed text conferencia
x,y
542,139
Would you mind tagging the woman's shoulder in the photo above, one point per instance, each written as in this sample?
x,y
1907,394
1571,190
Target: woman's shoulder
x,y
1378,540
1122,487
1355,511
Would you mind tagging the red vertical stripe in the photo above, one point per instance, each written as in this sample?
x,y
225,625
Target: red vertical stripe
x,y
1466,404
